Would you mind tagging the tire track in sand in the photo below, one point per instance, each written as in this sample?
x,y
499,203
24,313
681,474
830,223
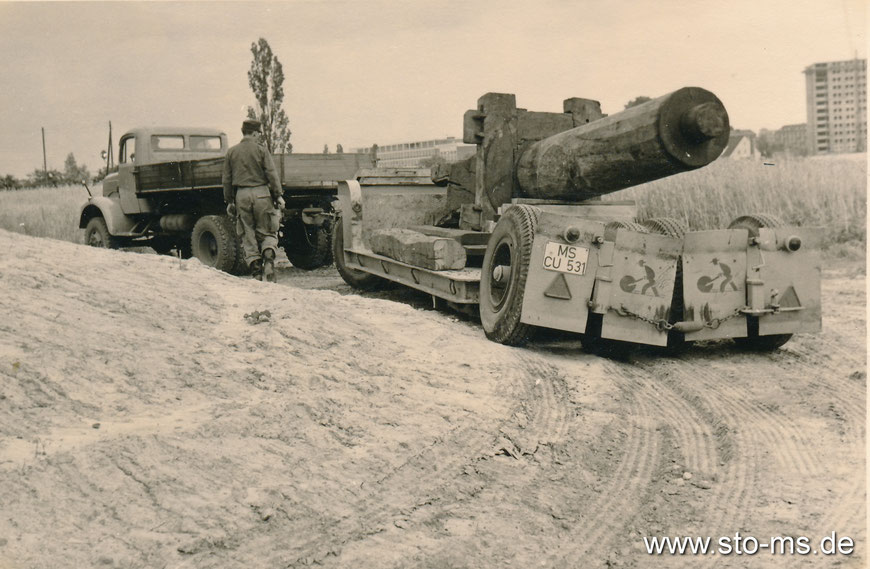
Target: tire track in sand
x,y
618,500
540,394
733,492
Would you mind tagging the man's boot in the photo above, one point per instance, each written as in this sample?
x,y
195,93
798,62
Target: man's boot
x,y
269,266
256,267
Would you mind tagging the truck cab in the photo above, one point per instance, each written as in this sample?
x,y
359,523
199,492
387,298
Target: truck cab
x,y
154,145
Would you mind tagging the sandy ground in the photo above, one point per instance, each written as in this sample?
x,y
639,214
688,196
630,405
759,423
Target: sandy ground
x,y
145,422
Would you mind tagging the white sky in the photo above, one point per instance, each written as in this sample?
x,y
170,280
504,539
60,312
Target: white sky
x,y
360,71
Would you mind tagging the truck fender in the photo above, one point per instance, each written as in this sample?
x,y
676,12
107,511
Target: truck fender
x,y
108,209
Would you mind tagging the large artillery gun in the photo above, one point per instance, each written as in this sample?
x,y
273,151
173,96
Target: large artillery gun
x,y
520,230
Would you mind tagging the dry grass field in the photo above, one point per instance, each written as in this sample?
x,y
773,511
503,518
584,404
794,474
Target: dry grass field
x,y
828,193
44,212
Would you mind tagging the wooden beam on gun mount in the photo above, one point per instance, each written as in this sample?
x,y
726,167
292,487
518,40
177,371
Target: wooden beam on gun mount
x,y
502,132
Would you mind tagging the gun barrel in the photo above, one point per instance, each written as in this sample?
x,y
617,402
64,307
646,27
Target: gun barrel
x,y
680,131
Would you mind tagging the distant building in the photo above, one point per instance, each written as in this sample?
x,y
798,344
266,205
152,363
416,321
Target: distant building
x,y
792,139
837,106
741,146
408,154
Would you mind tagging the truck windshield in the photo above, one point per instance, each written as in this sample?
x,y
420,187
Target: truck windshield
x,y
205,143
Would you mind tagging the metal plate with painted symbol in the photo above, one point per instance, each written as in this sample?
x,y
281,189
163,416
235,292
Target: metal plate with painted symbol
x,y
565,258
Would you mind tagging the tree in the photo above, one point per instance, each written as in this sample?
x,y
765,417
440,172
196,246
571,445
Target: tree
x,y
266,78
8,182
40,177
72,172
339,149
326,149
637,101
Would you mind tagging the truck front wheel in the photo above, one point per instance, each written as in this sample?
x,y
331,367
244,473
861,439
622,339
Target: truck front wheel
x,y
97,234
213,242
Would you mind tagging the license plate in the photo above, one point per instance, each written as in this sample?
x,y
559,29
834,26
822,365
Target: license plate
x,y
565,258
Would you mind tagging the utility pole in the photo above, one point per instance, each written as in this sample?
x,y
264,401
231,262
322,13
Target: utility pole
x,y
44,161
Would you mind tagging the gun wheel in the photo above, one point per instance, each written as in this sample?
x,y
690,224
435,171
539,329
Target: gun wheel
x,y
504,274
611,227
357,279
667,226
752,341
675,228
755,221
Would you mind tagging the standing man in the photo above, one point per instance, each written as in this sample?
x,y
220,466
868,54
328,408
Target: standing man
x,y
253,192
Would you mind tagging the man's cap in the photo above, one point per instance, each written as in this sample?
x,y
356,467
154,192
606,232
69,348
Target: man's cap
x,y
251,125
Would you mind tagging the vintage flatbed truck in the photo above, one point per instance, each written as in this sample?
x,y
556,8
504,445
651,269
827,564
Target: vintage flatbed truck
x,y
167,194
520,233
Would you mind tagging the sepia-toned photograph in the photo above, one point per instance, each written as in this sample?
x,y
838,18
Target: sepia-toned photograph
x,y
433,284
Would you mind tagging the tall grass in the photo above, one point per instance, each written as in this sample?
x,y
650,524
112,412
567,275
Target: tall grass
x,y
824,193
44,212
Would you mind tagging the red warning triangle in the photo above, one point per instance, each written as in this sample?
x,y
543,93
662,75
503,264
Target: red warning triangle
x,y
558,288
789,299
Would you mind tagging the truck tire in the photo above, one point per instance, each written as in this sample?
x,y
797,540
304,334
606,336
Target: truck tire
x,y
752,341
240,267
307,247
97,234
357,279
502,289
213,242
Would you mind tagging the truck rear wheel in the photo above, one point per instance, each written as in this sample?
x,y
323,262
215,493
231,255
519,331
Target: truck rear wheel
x,y
307,246
503,276
357,279
97,234
213,242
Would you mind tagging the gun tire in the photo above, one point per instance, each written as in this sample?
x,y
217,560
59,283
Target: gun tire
x,y
501,299
675,228
307,247
97,234
753,342
359,280
611,227
667,226
756,221
214,242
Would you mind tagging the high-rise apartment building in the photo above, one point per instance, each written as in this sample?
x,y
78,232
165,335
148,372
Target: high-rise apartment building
x,y
837,106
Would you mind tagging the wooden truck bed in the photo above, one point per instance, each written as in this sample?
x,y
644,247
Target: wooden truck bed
x,y
312,172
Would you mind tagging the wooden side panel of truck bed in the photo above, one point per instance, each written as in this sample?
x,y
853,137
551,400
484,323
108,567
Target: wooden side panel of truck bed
x,y
295,171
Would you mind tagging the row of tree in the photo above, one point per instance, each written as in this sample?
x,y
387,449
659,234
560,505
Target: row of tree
x,y
72,173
